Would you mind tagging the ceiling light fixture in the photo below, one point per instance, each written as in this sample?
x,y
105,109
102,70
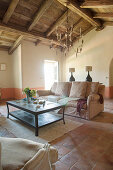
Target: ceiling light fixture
x,y
68,35
67,43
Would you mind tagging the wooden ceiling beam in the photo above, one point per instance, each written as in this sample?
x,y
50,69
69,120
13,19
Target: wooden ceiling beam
x,y
32,34
44,6
77,24
10,11
86,14
4,48
103,15
1,32
7,38
4,43
16,44
87,30
97,4
108,23
58,22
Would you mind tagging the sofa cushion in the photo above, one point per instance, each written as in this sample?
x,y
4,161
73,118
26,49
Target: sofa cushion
x,y
62,89
73,103
92,88
53,98
78,89
53,88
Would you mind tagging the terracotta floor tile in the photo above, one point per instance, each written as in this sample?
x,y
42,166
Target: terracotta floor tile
x,y
104,142
109,136
75,141
98,149
84,148
70,145
62,140
70,158
82,165
91,141
103,166
74,168
92,157
107,158
62,151
60,166
110,149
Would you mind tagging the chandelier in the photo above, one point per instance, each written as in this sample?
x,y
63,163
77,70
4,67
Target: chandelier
x,y
66,38
81,42
67,35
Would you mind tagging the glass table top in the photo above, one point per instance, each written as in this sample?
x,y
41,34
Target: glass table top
x,y
35,107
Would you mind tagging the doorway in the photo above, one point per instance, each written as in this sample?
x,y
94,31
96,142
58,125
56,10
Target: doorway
x,y
50,73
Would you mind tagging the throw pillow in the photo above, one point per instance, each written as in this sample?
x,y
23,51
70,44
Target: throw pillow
x,y
78,89
92,88
62,89
53,88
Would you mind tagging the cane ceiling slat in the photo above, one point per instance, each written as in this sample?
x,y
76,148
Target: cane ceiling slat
x,y
21,23
53,12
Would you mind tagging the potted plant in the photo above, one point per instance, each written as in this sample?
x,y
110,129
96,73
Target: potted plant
x,y
29,93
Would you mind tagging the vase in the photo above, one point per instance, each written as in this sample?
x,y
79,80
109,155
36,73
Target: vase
x,y
28,98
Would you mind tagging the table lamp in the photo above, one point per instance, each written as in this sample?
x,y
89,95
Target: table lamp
x,y
88,78
72,70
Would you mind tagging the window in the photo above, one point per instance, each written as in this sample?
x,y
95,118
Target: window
x,y
50,73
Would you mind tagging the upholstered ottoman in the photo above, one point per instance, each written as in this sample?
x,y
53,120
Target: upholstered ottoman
x,y
17,153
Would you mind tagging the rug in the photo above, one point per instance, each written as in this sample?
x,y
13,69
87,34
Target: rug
x,y
46,133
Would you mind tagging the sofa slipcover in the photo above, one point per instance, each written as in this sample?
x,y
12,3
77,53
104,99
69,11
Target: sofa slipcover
x,y
78,90
17,154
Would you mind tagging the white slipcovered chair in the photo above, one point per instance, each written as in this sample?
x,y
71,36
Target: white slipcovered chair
x,y
22,154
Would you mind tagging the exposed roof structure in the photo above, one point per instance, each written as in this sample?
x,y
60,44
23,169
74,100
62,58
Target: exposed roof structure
x,y
37,20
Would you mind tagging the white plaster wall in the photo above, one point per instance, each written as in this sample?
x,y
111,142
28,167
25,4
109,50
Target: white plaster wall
x,y
97,52
17,68
6,77
33,63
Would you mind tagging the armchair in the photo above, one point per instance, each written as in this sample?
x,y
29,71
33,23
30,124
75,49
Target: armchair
x,y
17,153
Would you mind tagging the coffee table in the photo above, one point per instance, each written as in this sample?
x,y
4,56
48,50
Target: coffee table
x,y
33,116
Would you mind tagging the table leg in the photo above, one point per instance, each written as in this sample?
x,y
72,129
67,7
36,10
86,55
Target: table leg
x,y
63,115
36,125
7,111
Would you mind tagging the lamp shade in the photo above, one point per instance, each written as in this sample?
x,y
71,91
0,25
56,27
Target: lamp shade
x,y
88,68
72,70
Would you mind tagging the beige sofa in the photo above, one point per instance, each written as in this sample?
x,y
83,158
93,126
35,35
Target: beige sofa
x,y
22,154
69,93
